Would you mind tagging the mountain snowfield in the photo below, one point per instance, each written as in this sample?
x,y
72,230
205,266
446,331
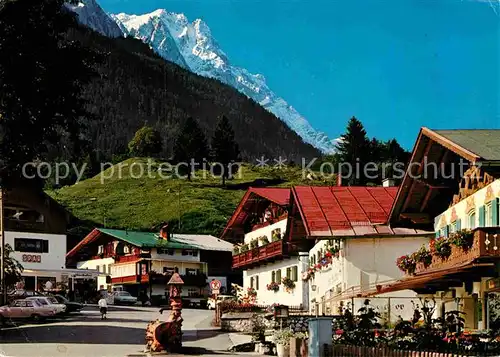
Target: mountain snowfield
x,y
192,46
91,14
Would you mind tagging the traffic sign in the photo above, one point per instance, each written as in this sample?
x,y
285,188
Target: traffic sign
x,y
215,291
215,284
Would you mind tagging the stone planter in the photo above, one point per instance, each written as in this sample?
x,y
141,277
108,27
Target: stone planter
x,y
282,350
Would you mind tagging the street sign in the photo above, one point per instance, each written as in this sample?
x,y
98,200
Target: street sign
x,y
215,284
215,291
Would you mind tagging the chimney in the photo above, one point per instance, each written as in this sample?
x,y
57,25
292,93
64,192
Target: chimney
x,y
388,182
164,233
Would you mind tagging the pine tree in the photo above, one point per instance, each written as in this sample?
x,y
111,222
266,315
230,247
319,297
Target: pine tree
x,y
191,146
13,268
42,77
354,149
225,150
146,142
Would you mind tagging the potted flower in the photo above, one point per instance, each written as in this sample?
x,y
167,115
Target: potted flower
x,y
288,284
254,243
423,256
462,239
264,240
273,287
236,250
443,248
407,264
282,340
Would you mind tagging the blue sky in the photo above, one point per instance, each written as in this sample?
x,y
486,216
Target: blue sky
x,y
397,65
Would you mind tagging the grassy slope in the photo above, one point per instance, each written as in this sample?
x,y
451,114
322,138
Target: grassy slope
x,y
140,203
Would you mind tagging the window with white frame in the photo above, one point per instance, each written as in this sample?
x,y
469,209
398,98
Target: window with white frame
x,y
472,219
453,227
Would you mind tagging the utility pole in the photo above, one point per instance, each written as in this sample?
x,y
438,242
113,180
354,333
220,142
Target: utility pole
x,y
2,261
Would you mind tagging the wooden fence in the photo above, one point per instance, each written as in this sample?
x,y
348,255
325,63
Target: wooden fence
x,y
357,351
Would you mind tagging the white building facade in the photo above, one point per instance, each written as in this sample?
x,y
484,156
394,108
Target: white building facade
x,y
361,265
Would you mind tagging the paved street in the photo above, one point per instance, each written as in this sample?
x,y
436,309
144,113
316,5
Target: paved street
x,y
122,334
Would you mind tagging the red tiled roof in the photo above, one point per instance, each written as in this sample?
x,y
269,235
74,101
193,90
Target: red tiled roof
x,y
346,211
280,196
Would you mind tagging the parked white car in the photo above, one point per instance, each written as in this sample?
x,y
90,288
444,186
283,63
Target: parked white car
x,y
51,302
123,298
25,309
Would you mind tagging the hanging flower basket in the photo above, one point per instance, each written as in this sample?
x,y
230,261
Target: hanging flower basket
x,y
288,284
273,287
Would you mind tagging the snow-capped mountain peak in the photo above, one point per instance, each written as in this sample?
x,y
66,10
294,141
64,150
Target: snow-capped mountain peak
x,y
91,14
192,46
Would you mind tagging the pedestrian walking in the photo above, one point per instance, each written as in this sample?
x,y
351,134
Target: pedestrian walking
x,y
103,308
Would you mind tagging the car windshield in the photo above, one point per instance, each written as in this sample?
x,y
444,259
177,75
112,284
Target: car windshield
x,y
53,300
41,301
60,299
124,293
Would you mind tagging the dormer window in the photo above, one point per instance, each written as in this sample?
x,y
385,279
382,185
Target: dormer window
x,y
126,249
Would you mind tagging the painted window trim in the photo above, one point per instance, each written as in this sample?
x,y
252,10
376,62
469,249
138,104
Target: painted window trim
x,y
471,213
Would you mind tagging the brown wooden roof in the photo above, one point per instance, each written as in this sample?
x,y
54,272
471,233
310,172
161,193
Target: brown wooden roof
x,y
437,164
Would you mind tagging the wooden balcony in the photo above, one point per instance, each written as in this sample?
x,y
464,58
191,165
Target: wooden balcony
x,y
131,257
264,254
485,248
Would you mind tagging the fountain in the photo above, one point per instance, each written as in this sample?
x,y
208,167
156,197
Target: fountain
x,y
167,335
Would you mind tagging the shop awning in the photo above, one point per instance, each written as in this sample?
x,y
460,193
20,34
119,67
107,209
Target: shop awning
x,y
72,273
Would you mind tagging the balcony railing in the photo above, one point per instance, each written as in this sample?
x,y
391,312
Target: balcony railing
x,y
485,247
261,254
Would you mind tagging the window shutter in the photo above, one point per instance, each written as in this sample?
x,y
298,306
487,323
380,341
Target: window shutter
x,y
494,212
295,273
251,282
289,273
459,224
257,282
446,230
273,277
438,234
481,216
278,276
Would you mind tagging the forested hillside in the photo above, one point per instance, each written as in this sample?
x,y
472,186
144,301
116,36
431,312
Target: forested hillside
x,y
136,87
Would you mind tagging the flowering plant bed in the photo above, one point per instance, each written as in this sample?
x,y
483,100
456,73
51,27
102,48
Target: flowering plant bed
x,y
288,284
273,287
